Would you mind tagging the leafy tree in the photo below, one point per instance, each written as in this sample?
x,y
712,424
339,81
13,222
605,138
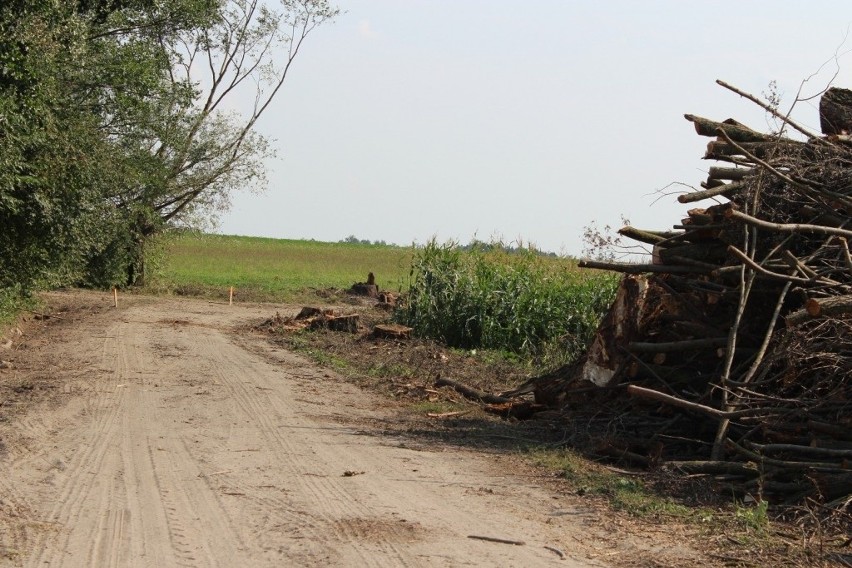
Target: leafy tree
x,y
200,151
110,131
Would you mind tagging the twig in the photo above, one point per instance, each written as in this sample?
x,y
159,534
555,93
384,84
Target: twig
x,y
675,401
786,227
846,256
447,414
768,108
495,539
767,338
214,473
761,270
764,164
762,460
555,551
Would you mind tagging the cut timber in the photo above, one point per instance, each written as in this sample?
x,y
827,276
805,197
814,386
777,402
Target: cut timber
x,y
737,132
724,189
718,150
362,289
822,307
629,268
835,112
347,323
392,331
650,238
732,174
619,326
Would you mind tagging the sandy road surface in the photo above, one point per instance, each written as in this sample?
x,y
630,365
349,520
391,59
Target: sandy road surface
x,y
180,443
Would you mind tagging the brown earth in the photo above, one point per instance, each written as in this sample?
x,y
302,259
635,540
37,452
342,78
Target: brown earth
x,y
161,433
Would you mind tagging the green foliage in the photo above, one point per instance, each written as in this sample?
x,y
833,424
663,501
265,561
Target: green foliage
x,y
521,302
12,301
76,80
629,494
268,269
753,517
106,134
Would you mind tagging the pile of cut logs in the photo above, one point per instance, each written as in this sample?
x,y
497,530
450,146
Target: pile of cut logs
x,y
730,353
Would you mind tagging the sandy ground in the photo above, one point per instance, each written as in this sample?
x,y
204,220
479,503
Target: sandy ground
x,y
171,440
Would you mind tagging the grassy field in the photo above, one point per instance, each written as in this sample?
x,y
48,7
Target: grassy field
x,y
262,269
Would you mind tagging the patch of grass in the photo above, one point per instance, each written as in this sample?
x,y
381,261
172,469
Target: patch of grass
x,y
12,303
625,493
753,518
326,359
274,270
544,309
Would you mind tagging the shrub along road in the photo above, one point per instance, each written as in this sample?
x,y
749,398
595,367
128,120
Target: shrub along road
x,y
157,435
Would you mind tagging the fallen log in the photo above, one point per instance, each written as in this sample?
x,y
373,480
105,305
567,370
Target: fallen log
x,y
469,392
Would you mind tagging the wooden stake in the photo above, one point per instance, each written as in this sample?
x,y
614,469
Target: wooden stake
x,y
231,296
115,296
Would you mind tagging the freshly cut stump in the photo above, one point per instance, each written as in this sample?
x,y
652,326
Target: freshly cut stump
x,y
392,331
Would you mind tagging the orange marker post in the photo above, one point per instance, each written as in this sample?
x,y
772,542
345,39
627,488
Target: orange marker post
x,y
231,296
115,296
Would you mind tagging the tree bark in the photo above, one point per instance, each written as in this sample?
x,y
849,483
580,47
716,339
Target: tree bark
x,y
820,307
835,112
738,132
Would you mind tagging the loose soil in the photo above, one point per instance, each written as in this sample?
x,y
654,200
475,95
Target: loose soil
x,y
163,433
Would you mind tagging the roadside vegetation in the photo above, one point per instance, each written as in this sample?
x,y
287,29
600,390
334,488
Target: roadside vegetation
x,y
116,124
269,270
542,309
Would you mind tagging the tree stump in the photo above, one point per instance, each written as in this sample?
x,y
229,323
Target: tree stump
x,y
362,289
392,331
348,323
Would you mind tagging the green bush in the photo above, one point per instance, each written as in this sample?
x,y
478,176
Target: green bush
x,y
12,300
517,301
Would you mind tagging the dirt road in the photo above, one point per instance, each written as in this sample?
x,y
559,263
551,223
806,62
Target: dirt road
x,y
173,441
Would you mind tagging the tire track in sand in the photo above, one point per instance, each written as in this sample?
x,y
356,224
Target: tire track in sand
x,y
82,477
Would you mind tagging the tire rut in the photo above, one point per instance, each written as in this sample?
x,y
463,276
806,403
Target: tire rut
x,y
183,447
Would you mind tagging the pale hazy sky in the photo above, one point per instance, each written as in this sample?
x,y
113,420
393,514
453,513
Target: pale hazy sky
x,y
407,119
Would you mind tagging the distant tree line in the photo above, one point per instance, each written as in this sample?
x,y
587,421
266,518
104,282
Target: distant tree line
x,y
113,125
353,240
474,244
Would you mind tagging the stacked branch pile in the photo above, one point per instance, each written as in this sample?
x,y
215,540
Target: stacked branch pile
x,y
730,353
